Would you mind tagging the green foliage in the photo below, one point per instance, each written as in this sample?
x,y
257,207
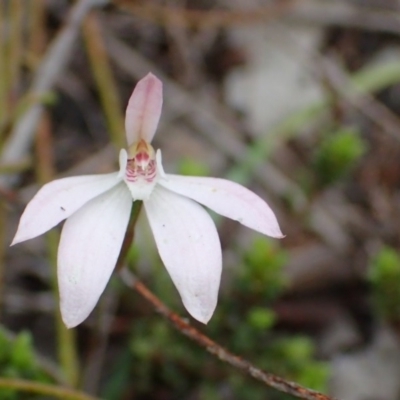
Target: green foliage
x,y
260,318
261,273
337,155
298,351
21,356
161,358
384,274
18,360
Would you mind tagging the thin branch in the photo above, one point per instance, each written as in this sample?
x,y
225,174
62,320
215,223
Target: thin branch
x,y
346,15
314,12
165,15
365,103
214,348
328,68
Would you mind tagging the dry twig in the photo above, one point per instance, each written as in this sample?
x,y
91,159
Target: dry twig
x,y
316,12
214,348
199,18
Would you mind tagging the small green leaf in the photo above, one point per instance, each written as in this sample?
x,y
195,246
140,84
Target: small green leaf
x,y
337,154
261,318
384,274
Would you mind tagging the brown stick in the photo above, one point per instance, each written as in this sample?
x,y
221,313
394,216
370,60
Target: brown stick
x,y
165,15
214,348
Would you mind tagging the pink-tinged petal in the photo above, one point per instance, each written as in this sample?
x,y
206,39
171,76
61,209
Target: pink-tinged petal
x,y
228,199
90,243
58,200
144,110
189,247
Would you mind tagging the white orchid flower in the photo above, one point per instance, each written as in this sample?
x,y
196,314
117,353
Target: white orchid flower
x,y
97,210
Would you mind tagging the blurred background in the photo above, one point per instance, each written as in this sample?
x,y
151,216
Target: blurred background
x,y
298,100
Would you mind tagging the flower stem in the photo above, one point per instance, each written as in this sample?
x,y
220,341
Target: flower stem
x,y
130,232
43,389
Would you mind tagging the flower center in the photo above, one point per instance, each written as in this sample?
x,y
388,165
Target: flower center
x,y
141,162
141,169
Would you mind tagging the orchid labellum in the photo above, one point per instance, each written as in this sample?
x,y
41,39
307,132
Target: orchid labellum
x,y
97,210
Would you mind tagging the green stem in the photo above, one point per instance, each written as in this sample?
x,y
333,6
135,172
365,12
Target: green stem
x,y
103,75
3,74
67,353
66,339
44,389
129,235
3,241
14,48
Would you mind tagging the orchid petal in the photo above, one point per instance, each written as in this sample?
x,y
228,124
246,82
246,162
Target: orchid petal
x,y
160,168
189,247
123,162
144,110
58,200
228,199
90,243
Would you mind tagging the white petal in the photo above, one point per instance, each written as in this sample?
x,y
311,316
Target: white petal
x,y
90,243
58,200
189,247
123,162
144,110
228,199
160,168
